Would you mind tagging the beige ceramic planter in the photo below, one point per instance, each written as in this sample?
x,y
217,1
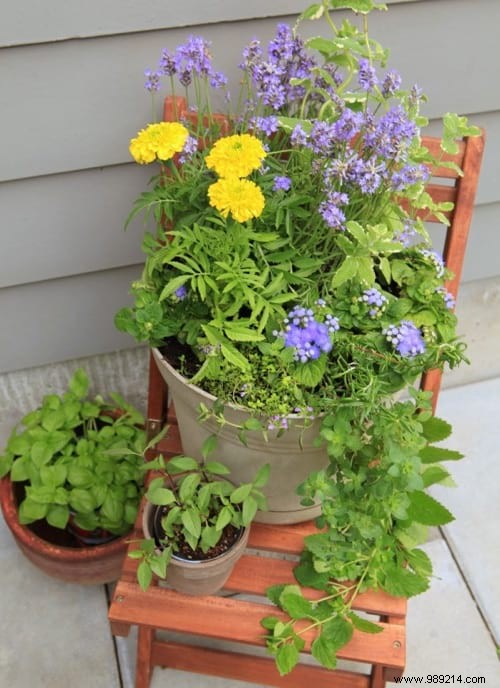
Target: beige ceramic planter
x,y
198,577
291,457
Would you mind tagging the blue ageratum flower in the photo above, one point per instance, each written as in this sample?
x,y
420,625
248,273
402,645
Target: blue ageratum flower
x,y
436,259
307,336
376,302
406,338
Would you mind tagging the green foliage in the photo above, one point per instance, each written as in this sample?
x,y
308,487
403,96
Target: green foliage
x,y
373,507
78,458
200,502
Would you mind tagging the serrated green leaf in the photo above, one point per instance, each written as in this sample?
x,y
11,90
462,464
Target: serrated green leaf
x,y
337,631
274,592
286,658
311,373
420,562
425,509
323,652
437,454
405,583
345,272
364,625
434,474
253,424
436,429
292,602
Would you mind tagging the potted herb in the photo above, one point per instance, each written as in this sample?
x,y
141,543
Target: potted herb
x,y
196,524
291,292
70,479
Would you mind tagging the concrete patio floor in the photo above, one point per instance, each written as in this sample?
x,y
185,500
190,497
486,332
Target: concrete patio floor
x,y
55,635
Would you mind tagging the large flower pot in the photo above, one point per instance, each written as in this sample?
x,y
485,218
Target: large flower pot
x,y
291,457
203,577
55,551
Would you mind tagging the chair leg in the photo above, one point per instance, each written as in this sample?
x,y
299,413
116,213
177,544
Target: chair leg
x,y
377,679
144,668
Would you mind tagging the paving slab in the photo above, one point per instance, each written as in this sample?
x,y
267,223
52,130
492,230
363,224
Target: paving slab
x,y
445,632
53,634
474,412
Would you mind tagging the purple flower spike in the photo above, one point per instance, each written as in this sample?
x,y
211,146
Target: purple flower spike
x,y
152,80
367,76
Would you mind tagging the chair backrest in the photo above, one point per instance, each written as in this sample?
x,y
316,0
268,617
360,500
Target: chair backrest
x,y
447,185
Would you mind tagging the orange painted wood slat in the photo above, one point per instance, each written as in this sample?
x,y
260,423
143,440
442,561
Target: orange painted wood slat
x,y
238,621
255,669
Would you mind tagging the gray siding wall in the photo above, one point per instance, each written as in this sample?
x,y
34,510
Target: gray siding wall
x,y
71,96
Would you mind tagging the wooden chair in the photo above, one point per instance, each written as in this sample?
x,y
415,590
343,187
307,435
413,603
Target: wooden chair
x,y
218,618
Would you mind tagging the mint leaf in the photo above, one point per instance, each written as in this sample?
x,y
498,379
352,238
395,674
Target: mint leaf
x,y
425,509
324,652
287,657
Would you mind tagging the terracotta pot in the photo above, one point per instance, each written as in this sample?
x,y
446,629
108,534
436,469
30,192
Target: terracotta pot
x,y
204,577
55,551
292,456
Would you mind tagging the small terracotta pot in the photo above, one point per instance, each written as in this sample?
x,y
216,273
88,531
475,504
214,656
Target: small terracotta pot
x,y
56,552
204,577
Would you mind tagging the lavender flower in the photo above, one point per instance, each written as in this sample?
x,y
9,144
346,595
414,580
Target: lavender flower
x,y
267,125
282,183
167,63
218,80
367,76
347,125
391,83
406,339
332,215
370,178
193,56
152,83
298,136
190,148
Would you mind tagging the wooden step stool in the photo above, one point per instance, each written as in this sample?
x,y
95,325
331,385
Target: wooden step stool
x,y
232,619
217,617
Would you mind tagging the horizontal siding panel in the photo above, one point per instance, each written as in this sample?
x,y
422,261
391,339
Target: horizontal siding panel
x,y
75,104
69,224
63,319
26,21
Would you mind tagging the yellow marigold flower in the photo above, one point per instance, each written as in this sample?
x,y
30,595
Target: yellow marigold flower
x,y
158,141
236,156
240,197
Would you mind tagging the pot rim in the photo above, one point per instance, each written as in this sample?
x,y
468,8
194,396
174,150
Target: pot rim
x,y
29,539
